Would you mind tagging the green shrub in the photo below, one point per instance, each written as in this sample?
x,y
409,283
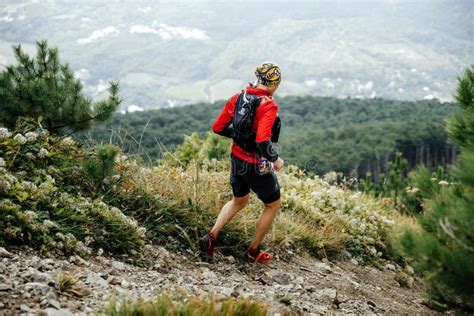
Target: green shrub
x,y
421,185
45,202
443,250
100,164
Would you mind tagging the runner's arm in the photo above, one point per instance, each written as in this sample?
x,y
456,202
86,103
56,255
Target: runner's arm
x,y
223,121
264,133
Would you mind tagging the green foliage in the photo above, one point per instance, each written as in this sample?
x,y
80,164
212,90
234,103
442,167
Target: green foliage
x,y
422,184
164,305
194,148
45,202
44,89
461,125
100,164
395,178
443,250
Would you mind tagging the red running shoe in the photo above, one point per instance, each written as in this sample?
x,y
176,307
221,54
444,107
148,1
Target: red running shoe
x,y
206,246
258,255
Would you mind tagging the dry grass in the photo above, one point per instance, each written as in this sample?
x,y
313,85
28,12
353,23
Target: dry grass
x,y
192,306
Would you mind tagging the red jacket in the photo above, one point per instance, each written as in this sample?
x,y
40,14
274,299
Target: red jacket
x,y
264,118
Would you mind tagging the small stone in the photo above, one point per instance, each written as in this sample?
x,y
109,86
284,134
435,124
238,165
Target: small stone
x,y
125,284
41,288
409,269
230,259
329,294
4,253
51,296
235,292
323,267
266,278
299,280
390,267
354,261
80,262
282,278
95,279
208,277
117,265
54,303
113,280
5,287
25,308
371,303
54,312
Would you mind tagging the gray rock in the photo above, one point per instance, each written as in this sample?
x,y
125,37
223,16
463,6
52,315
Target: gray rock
x,y
236,292
327,294
117,265
7,286
209,276
390,267
282,278
354,261
4,253
266,278
95,279
78,261
55,312
230,259
125,284
113,280
323,267
410,270
25,308
40,288
36,276
54,303
299,280
51,296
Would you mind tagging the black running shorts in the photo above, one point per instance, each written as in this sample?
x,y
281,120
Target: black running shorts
x,y
245,176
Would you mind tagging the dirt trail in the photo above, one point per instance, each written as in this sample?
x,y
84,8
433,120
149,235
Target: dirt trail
x,y
29,283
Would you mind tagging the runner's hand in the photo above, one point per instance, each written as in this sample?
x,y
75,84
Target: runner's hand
x,y
278,164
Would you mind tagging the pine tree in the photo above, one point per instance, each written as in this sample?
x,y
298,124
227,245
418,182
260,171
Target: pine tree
x,y
44,89
444,247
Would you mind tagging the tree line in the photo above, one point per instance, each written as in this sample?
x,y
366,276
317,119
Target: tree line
x,y
319,134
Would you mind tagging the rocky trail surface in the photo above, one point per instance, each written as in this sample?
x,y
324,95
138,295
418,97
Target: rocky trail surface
x,y
31,283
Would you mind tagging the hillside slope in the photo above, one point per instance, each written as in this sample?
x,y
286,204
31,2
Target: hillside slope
x,y
30,283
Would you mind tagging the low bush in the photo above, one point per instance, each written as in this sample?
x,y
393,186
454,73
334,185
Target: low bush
x,y
44,203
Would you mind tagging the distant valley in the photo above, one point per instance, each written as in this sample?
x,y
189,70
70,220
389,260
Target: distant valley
x,y
169,54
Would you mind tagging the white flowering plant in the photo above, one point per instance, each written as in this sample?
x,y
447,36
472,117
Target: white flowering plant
x,y
45,202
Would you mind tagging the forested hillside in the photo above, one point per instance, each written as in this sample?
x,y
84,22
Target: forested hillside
x,y
320,134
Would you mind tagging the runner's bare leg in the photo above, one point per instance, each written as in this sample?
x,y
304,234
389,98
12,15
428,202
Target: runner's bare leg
x,y
265,222
228,212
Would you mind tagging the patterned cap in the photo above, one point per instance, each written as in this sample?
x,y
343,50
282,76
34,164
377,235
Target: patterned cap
x,y
268,74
